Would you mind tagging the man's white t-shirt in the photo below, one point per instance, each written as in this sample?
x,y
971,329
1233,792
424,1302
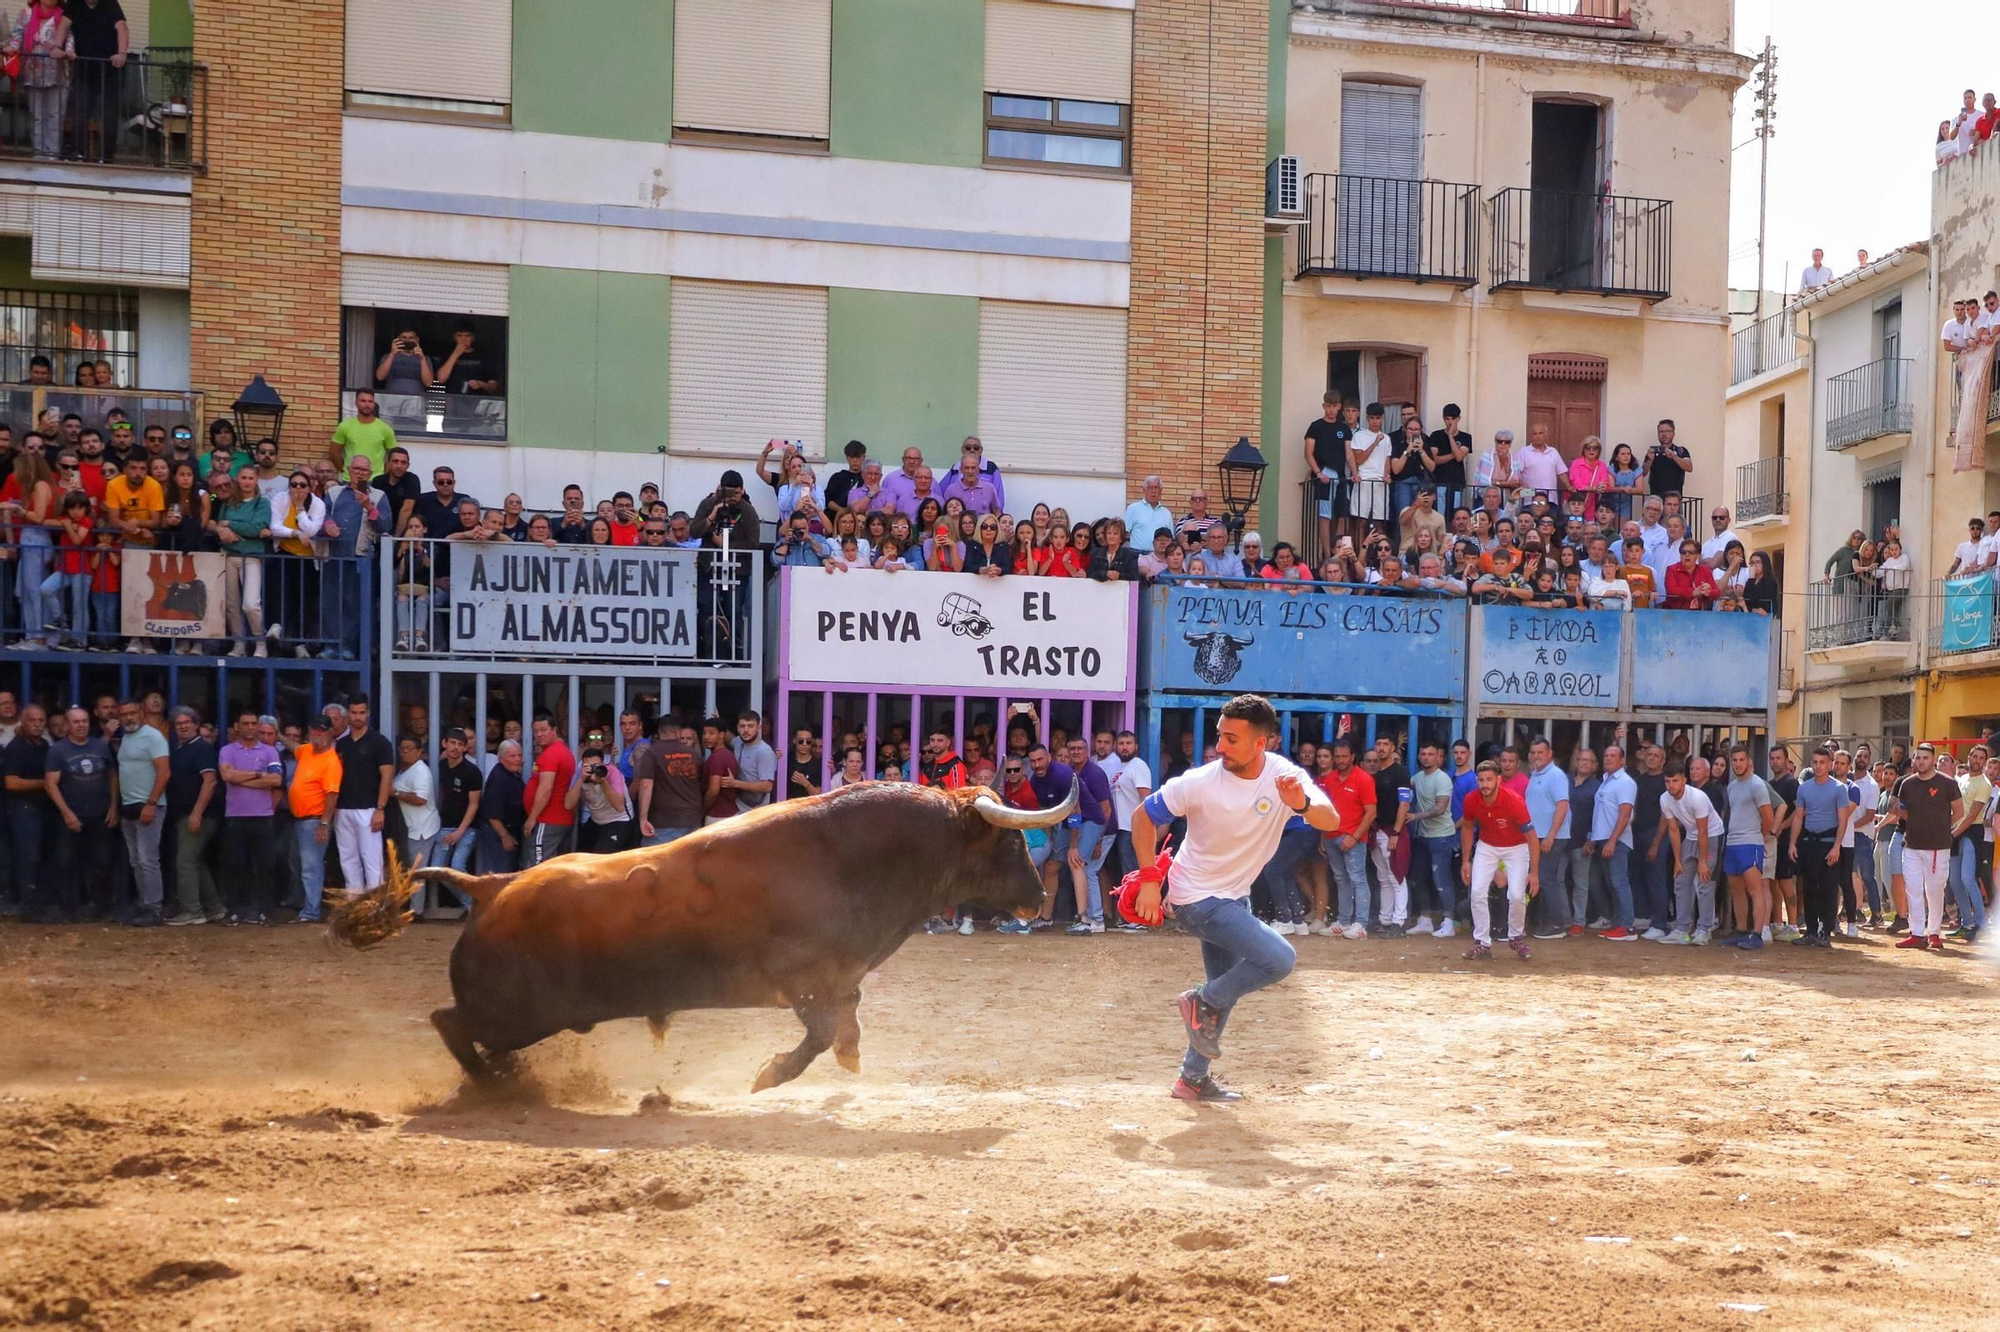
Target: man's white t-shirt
x,y
1712,548
1989,548
1968,554
1539,469
1132,778
1375,466
1233,826
1863,821
420,820
1957,334
1816,275
1693,809
1985,319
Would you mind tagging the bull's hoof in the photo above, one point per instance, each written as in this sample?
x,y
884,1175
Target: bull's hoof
x,y
771,1075
848,1059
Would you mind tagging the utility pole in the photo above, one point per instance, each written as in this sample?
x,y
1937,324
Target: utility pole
x,y
1766,117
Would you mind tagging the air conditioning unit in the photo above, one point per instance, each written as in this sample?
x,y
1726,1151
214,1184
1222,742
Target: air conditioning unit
x,y
1284,193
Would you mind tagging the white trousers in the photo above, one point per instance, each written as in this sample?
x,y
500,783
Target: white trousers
x,y
1485,859
1395,891
360,849
1924,877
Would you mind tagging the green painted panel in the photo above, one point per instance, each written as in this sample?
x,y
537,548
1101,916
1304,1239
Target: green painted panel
x,y
906,80
171,23
632,327
901,369
607,74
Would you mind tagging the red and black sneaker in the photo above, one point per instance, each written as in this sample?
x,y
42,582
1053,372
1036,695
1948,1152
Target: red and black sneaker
x,y
1479,952
1204,1089
1936,942
1203,1023
1914,941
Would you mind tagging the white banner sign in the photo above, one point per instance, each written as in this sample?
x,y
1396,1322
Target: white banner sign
x,y
960,632
573,601
169,594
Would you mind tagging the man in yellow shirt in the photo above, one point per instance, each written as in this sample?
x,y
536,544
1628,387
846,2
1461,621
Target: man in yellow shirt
x,y
314,792
135,502
362,435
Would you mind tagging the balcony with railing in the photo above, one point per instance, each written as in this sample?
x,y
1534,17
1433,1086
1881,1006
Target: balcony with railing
x,y
1771,342
1560,240
1760,491
1593,13
21,404
1851,620
1378,227
440,414
1868,402
151,111
1958,399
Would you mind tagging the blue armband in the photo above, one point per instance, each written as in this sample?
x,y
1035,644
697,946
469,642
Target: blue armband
x,y
1156,810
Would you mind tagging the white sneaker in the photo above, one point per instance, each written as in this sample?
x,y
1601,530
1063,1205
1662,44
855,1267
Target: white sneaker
x,y
1600,924
236,651
1355,931
965,924
1677,937
260,651
1853,931
1699,939
1319,927
1767,934
1652,933
1283,927
1423,926
1445,930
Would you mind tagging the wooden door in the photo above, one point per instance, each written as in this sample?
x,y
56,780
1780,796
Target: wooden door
x,y
1398,380
1566,394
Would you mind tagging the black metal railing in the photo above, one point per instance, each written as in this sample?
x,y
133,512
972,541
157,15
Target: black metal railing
x,y
22,405
1958,398
1963,615
430,599
1597,13
1845,612
62,599
1376,226
1867,402
1767,344
1760,489
437,412
1559,240
152,111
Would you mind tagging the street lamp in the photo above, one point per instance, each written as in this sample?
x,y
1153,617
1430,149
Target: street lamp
x,y
1241,474
260,413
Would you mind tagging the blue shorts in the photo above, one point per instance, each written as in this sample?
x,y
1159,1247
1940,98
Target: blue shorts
x,y
1742,859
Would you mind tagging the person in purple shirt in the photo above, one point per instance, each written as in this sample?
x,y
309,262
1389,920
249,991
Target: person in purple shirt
x,y
988,472
251,775
899,489
980,495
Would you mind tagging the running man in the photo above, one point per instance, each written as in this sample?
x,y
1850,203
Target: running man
x,y
1506,837
1931,806
1236,810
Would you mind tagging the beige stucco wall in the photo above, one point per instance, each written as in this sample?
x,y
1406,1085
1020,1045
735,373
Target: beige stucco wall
x,y
1669,119
1743,442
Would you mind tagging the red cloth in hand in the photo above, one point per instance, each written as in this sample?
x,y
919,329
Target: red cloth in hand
x,y
1129,886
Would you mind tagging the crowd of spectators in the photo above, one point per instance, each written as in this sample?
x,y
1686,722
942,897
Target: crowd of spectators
x,y
66,60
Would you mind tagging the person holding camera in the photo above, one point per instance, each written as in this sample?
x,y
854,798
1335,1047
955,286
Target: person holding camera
x,y
727,508
404,368
607,823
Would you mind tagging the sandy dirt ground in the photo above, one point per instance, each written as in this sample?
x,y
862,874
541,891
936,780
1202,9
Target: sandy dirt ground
x,y
241,1130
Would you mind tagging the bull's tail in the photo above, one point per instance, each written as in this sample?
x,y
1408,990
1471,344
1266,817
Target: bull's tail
x,y
363,920
481,888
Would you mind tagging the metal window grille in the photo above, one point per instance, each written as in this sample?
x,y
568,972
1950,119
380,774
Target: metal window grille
x,y
69,328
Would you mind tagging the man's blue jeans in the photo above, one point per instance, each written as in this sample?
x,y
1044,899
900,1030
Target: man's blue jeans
x,y
1350,880
312,865
1435,852
1553,893
1239,954
458,856
1280,875
1617,867
1965,883
1652,881
1864,860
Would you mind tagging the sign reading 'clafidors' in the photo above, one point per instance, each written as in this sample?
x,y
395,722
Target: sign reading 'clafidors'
x,y
875,628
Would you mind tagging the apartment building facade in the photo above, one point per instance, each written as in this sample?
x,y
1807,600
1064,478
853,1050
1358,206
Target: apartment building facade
x,y
1521,208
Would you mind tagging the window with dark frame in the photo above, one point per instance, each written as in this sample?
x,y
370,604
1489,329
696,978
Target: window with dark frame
x,y
451,406
71,329
1059,132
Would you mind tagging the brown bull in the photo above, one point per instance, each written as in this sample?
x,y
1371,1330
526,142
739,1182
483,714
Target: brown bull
x,y
787,907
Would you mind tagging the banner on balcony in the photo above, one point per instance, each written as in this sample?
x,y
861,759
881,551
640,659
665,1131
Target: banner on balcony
x,y
1561,658
171,594
1968,614
1975,379
573,602
959,632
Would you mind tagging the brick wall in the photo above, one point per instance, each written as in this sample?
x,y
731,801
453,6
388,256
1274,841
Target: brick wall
x,y
264,294
1194,380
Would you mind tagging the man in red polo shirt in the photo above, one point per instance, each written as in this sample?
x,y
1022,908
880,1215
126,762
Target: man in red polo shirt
x,y
1499,819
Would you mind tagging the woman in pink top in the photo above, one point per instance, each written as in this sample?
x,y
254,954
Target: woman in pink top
x,y
1589,476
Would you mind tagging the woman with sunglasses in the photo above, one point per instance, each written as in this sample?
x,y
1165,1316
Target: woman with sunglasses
x,y
1588,475
986,554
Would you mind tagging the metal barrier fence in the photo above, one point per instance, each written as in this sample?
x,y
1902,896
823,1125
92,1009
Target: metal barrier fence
x,y
1562,240
1377,226
1767,344
150,112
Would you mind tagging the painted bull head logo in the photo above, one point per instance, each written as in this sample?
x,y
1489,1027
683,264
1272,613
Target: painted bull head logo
x,y
1218,655
178,592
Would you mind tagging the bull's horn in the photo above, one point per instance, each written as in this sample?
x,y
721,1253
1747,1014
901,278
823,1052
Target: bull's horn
x,y
1000,816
